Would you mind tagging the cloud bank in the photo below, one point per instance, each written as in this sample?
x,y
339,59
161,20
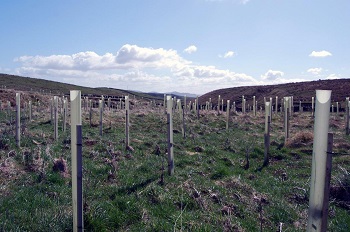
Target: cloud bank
x,y
138,68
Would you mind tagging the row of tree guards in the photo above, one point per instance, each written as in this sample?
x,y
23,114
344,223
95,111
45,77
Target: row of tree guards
x,y
321,158
276,106
322,147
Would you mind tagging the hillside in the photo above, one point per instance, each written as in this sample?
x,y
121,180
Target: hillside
x,y
301,91
40,85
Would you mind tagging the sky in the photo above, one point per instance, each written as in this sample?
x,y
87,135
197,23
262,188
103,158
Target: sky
x,y
188,46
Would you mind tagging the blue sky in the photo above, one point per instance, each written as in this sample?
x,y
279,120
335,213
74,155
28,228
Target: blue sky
x,y
193,46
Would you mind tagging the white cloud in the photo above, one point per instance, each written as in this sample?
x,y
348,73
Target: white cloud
x,y
229,54
332,76
322,53
190,49
315,71
79,61
146,69
128,56
272,75
133,56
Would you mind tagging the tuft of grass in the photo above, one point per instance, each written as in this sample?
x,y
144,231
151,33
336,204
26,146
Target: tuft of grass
x,y
302,138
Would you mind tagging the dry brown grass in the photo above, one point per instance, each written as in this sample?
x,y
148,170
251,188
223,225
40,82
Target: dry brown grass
x,y
300,139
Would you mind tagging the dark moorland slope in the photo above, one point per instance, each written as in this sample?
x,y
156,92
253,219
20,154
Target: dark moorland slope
x,y
301,91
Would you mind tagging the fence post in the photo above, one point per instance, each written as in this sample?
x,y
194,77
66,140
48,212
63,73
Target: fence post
x,y
127,137
198,108
276,108
170,136
55,117
286,118
18,119
319,158
90,111
183,122
347,130
164,103
337,104
219,100
267,133
227,114
30,110
101,115
51,110
254,106
243,104
9,115
64,114
76,146
271,109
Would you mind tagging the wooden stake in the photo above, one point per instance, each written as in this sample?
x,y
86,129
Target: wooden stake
x,y
327,182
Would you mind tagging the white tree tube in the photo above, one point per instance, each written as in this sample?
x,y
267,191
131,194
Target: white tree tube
x,y
77,187
319,159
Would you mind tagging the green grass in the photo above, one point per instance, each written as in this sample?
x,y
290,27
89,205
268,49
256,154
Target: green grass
x,y
210,190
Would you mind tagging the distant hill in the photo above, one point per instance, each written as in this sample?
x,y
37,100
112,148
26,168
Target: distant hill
x,y
190,95
174,94
58,88
301,91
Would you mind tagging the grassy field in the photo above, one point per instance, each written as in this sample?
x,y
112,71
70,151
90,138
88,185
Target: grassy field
x,y
218,184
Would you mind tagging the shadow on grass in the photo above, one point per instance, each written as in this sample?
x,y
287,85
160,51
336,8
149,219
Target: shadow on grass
x,y
134,188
